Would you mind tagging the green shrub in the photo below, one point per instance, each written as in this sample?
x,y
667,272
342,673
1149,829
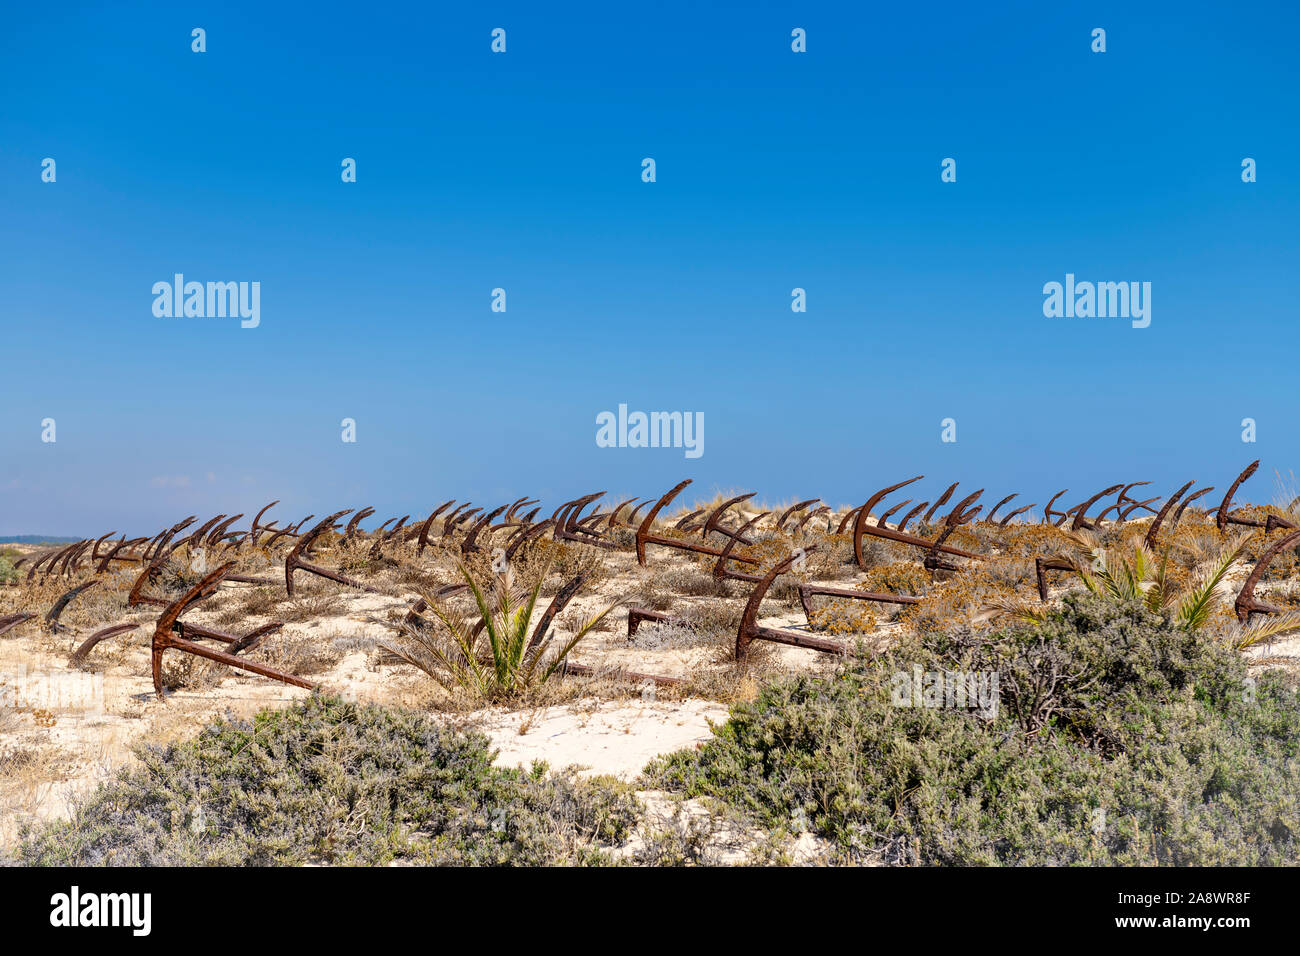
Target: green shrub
x,y
8,574
1119,738
327,781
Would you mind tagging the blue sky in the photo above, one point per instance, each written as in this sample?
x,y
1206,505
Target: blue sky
x,y
522,170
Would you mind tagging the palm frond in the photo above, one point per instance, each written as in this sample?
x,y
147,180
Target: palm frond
x,y
1193,610
1030,613
583,630
1264,630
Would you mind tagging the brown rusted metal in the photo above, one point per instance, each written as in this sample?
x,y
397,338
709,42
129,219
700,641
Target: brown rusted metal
x,y
10,621
558,604
914,542
249,579
797,506
235,540
566,524
643,530
253,639
644,537
1178,515
958,516
382,538
1109,508
1246,603
815,513
1124,498
1048,513
94,552
53,564
637,615
1044,564
155,547
994,510
276,536
73,561
256,526
114,554
572,523
195,540
83,651
632,520
1146,505
52,618
217,533
750,631
680,525
294,560
1154,530
943,500
396,529
561,514
808,591
137,595
1124,492
864,513
585,670
518,506
1081,510
428,522
589,524
350,531
613,521
526,534
145,554
720,569
961,512
890,513
1019,511
41,559
714,522
1272,522
1225,516
454,520
316,569
849,516
109,555
902,525
470,543
164,638
861,528
64,563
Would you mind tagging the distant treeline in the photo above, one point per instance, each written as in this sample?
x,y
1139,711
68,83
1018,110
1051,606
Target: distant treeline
x,y
36,539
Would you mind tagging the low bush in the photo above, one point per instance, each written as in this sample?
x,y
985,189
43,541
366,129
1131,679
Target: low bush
x,y
327,781
1118,738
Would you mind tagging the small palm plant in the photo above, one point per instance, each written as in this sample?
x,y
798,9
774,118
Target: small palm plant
x,y
496,651
1140,576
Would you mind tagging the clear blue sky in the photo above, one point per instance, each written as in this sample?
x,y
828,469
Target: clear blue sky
x,y
775,170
